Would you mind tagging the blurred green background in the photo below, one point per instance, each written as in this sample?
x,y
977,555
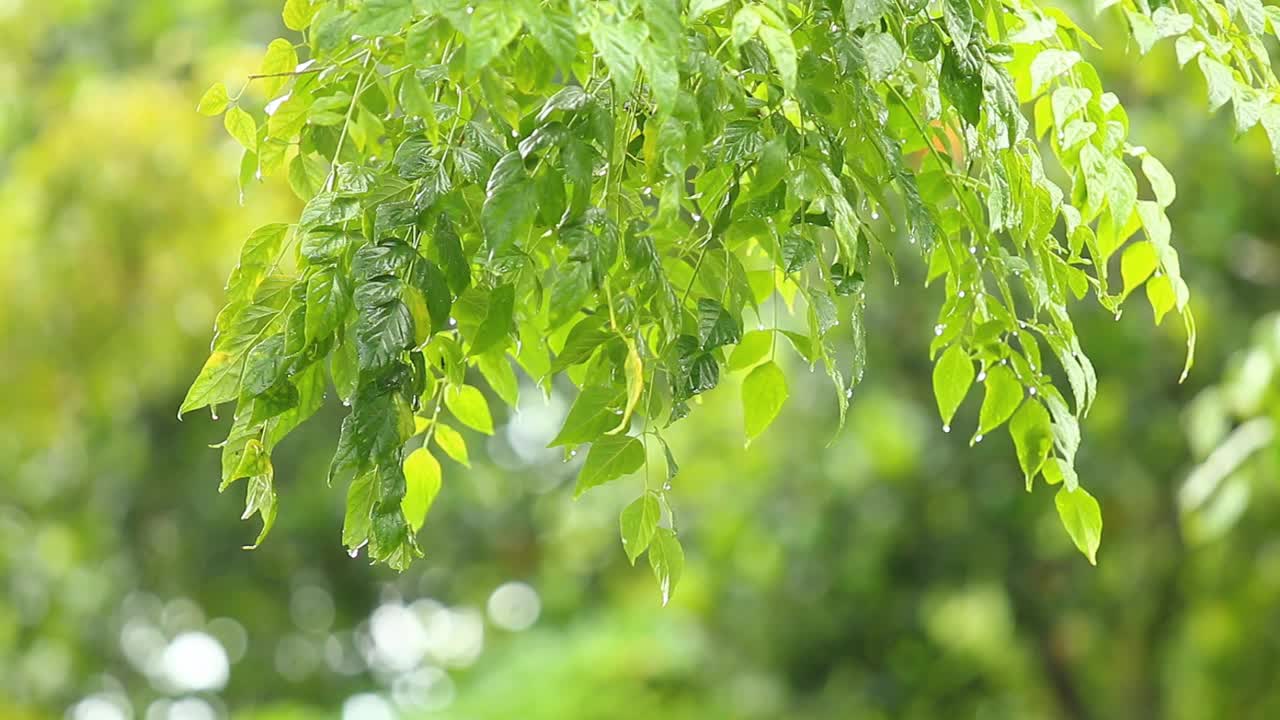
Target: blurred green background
x,y
897,573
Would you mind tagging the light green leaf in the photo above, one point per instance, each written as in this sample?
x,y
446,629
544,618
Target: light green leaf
x,y
700,8
382,17
1136,265
1220,80
1050,64
470,408
1003,395
639,524
591,416
1161,295
298,14
764,391
1032,438
619,44
452,443
746,23
493,26
610,457
952,377
883,54
1082,518
422,484
218,382
240,125
280,58
783,51
359,515
751,349
666,557
214,101
1162,183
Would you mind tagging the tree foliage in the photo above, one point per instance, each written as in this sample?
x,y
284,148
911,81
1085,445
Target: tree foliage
x,y
614,192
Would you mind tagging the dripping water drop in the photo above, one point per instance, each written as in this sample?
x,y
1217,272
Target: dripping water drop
x,y
973,249
946,428
453,322
848,393
697,217
982,376
875,215
978,438
961,293
1031,391
937,329
667,486
515,133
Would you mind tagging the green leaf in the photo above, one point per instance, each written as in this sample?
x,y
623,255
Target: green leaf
x,y
764,391
509,207
497,320
1136,265
700,8
496,370
858,13
610,457
218,382
1049,65
242,128
962,86
619,42
883,53
298,14
358,521
952,377
452,443
1082,518
326,304
716,327
422,484
280,58
639,524
383,331
214,101
783,51
1032,438
493,26
382,17
666,557
751,349
470,408
592,415
1003,395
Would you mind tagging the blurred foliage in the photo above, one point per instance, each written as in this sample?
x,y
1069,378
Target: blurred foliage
x,y
895,574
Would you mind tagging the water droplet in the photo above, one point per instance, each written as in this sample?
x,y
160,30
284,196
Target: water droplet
x,y
666,485
573,453
875,215
470,10
835,28
982,376
214,413
515,133
973,249
946,428
1031,391
697,217
1022,325
453,322
648,190
961,293
848,393
759,326
1004,361
353,552
977,438
937,329
911,240
1117,315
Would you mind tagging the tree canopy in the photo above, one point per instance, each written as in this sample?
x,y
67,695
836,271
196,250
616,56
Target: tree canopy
x,y
642,196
